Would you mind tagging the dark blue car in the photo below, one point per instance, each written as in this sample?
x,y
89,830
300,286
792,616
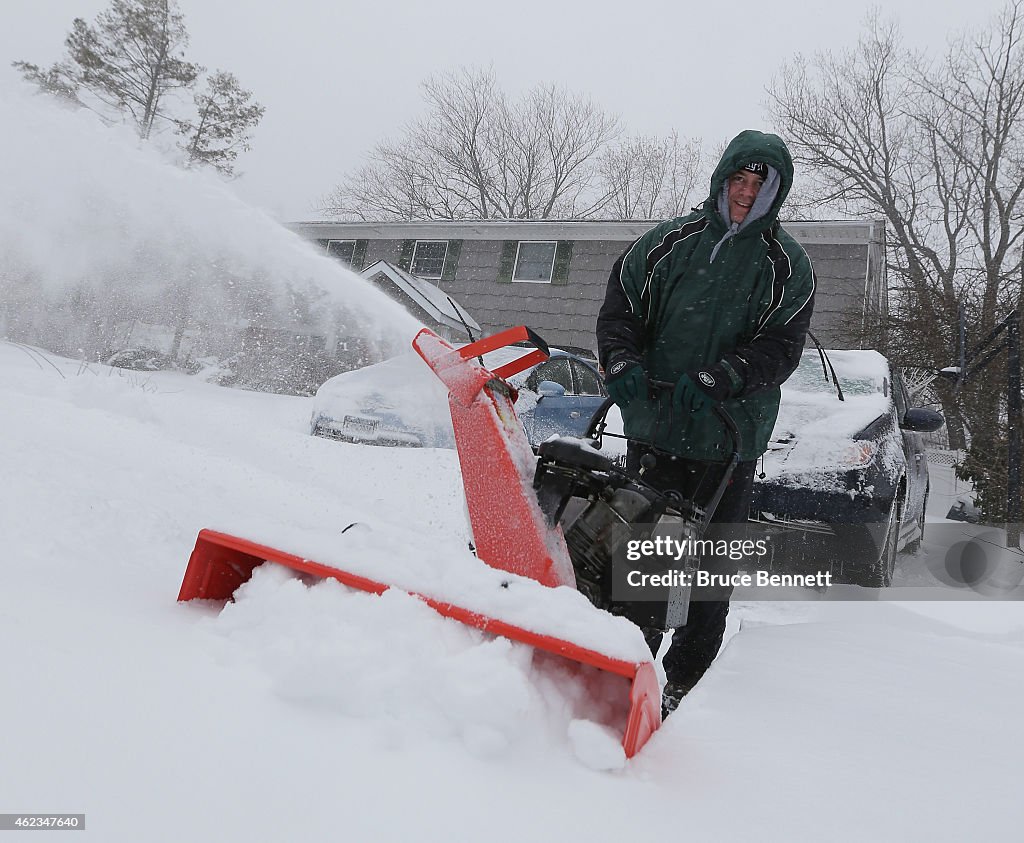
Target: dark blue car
x,y
844,483
569,390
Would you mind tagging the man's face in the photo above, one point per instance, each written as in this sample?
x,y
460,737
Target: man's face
x,y
743,188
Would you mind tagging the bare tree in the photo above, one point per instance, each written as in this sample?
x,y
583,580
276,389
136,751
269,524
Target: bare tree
x,y
476,155
460,141
650,177
936,147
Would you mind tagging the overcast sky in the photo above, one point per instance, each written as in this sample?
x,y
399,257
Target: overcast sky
x,y
337,75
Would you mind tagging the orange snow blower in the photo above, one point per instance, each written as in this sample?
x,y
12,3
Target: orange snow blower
x,y
522,595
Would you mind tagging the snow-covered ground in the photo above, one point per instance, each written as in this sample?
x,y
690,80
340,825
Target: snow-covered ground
x,y
306,712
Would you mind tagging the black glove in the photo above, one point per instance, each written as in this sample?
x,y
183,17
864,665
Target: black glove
x,y
690,399
626,381
697,393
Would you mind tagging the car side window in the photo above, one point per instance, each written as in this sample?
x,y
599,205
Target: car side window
x,y
556,369
587,380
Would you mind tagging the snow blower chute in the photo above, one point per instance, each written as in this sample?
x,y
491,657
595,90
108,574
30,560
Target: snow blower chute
x,y
519,539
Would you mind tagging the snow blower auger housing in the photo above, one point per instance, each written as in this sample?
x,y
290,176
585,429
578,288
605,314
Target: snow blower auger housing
x,y
523,546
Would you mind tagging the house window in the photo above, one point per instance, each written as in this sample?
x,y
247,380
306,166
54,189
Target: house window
x,y
535,261
428,258
343,250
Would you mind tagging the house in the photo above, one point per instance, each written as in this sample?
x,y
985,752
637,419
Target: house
x,y
551,275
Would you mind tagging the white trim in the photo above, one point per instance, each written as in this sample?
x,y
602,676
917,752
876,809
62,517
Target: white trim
x,y
782,293
814,286
444,260
622,283
650,275
424,294
668,254
551,269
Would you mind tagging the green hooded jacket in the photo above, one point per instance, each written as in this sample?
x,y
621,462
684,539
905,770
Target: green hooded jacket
x,y
728,305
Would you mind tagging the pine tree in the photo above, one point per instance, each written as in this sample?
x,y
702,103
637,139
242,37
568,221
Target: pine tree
x,y
58,79
132,57
125,65
222,127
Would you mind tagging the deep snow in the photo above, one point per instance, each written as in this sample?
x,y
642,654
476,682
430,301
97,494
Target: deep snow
x,y
305,712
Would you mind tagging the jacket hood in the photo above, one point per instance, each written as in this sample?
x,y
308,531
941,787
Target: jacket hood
x,y
748,146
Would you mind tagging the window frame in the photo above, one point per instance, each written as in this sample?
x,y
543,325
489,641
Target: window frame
x,y
444,259
551,269
348,262
578,368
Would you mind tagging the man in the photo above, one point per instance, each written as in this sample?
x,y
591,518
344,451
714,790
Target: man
x,y
716,304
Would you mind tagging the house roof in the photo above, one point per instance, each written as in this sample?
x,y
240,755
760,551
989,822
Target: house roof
x,y
433,302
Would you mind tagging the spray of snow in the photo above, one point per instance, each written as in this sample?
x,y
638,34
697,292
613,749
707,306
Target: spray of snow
x,y
104,245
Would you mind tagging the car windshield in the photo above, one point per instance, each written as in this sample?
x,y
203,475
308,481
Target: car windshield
x,y
859,372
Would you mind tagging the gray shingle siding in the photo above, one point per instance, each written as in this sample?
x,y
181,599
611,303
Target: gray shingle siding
x,y
848,259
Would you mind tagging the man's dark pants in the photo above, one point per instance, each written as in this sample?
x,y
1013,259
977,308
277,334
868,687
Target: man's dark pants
x,y
695,645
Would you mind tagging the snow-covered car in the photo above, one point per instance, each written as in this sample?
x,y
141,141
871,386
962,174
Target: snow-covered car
x,y
846,479
401,402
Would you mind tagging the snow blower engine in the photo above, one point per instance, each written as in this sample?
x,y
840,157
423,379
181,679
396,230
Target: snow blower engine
x,y
608,512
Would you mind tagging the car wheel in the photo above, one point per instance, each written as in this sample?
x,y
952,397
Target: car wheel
x,y
864,564
915,545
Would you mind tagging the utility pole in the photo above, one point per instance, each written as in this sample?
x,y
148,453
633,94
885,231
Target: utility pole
x,y
1013,413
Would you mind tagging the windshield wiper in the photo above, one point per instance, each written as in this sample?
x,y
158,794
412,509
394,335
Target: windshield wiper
x,y
826,367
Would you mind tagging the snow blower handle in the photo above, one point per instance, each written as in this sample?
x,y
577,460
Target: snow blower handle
x,y
734,457
518,334
596,430
723,417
